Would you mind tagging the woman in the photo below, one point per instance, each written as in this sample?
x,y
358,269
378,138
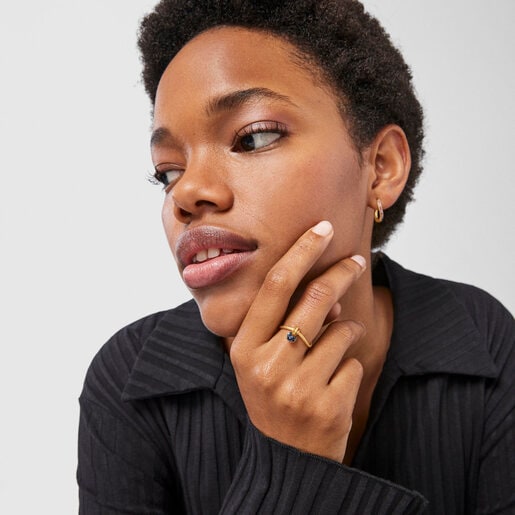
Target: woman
x,y
308,375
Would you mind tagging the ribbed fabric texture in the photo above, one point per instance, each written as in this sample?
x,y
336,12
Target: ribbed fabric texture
x,y
164,429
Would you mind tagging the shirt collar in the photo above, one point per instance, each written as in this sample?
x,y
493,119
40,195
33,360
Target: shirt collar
x,y
433,330
181,355
433,333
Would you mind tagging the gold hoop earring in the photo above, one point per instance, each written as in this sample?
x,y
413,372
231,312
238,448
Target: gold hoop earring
x,y
379,213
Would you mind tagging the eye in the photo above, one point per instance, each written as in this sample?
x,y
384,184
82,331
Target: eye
x,y
257,136
166,176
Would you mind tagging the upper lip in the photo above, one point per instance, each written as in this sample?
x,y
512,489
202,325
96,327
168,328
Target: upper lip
x,y
206,237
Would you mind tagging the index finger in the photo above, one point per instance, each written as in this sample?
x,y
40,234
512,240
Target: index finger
x,y
271,302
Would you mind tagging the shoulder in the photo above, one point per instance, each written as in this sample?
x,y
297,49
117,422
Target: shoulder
x,y
493,321
482,307
464,315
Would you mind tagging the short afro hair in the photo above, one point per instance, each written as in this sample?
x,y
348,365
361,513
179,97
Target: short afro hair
x,y
349,47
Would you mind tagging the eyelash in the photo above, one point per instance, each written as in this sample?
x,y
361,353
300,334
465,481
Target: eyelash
x,y
258,128
153,178
160,177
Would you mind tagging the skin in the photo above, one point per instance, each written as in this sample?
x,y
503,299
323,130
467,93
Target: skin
x,y
305,169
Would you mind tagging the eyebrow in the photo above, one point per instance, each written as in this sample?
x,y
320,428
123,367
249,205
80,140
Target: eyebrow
x,y
227,102
239,98
159,136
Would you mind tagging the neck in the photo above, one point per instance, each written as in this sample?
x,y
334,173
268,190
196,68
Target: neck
x,y
373,307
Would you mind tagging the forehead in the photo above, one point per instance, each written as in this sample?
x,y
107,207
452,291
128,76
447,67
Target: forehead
x,y
235,58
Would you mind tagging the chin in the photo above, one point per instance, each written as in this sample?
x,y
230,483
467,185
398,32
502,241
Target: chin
x,y
222,318
224,306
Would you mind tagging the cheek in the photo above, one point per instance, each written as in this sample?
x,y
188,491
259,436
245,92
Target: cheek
x,y
335,189
328,188
288,193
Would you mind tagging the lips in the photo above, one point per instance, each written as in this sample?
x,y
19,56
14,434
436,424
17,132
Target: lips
x,y
208,255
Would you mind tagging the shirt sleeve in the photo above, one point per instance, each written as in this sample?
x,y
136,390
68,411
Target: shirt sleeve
x,y
276,478
496,482
119,470
124,464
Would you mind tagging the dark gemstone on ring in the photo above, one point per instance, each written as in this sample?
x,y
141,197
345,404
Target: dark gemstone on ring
x,y
291,337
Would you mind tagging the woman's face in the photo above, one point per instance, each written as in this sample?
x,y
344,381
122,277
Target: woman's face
x,y
254,151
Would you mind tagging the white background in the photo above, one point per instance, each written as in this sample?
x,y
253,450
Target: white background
x,y
81,247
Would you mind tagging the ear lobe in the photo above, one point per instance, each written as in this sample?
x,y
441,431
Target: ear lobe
x,y
390,161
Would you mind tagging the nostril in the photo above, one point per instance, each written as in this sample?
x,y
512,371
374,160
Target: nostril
x,y
184,213
200,203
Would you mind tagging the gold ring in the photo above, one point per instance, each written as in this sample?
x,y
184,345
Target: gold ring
x,y
293,332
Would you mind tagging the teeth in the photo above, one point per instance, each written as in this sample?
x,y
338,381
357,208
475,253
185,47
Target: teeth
x,y
204,255
201,256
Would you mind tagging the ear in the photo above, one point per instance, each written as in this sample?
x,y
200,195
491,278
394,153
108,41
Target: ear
x,y
389,162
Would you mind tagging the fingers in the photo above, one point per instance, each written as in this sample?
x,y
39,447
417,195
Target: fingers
x,y
322,294
347,378
326,357
333,314
304,399
268,309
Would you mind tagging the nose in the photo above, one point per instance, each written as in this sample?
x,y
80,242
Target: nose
x,y
203,187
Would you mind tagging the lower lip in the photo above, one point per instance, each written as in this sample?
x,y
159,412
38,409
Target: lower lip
x,y
212,271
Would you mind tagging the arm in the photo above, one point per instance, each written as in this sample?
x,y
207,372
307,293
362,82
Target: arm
x,y
124,462
119,471
275,478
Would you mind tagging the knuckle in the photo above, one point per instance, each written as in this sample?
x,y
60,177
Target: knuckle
x,y
319,292
237,357
239,360
292,397
263,376
349,269
342,411
242,359
276,280
348,330
325,414
305,245
344,331
331,418
236,361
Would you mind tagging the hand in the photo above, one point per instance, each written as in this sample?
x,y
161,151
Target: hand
x,y
299,396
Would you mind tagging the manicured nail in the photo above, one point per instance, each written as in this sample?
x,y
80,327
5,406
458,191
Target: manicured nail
x,y
360,260
323,228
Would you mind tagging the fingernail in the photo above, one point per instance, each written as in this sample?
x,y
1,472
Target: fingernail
x,y
360,260
323,228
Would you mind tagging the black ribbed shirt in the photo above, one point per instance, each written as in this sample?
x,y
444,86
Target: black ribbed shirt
x,y
163,428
